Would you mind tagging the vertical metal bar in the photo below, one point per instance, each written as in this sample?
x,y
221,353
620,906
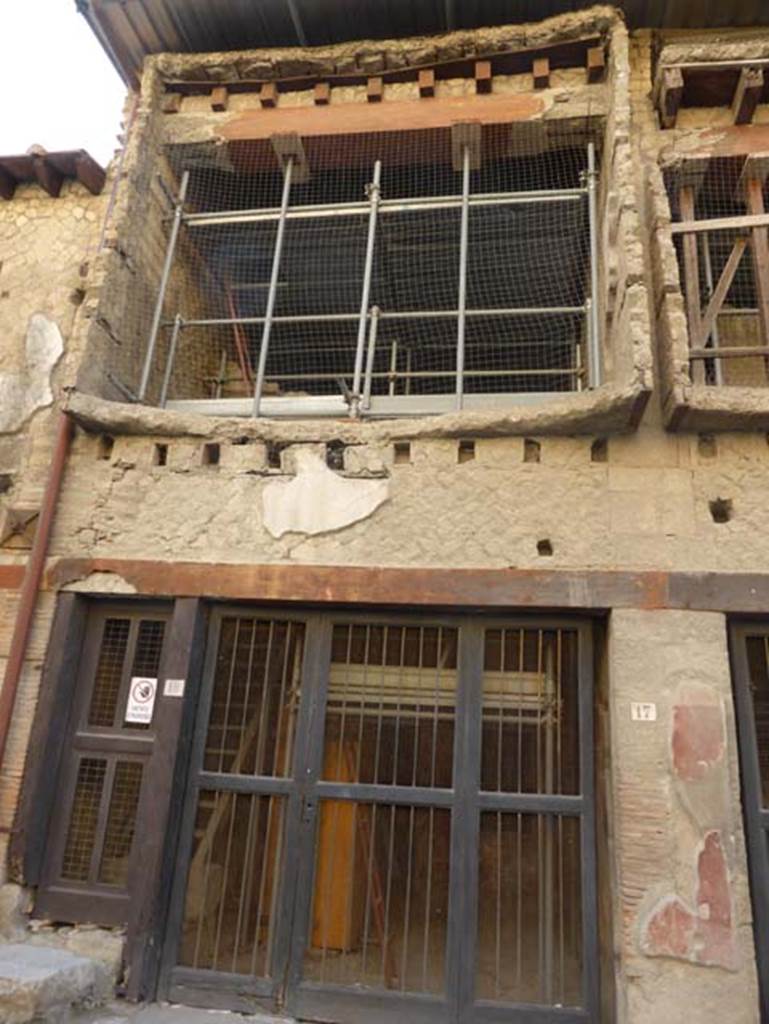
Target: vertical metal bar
x,y
178,324
393,368
590,954
549,823
298,867
164,278
222,378
595,338
462,294
461,941
708,264
373,195
373,328
272,292
588,344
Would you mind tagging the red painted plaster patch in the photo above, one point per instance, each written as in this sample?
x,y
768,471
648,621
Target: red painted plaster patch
x,y
698,739
707,936
714,904
670,930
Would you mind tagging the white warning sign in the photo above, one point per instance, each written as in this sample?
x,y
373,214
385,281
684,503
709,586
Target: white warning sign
x,y
141,699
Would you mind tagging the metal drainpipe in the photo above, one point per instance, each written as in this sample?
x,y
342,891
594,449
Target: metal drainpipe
x,y
31,583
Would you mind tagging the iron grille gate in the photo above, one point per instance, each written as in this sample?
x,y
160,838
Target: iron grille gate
x,y
390,817
750,667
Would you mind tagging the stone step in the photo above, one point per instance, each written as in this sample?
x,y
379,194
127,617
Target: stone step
x,y
159,1013
43,984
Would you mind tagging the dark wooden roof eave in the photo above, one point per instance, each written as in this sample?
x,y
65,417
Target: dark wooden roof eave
x,y
50,171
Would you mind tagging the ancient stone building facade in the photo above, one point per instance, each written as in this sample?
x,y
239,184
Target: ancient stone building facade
x,y
400,699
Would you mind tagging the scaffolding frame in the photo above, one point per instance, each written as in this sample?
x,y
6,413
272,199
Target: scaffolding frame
x,y
359,401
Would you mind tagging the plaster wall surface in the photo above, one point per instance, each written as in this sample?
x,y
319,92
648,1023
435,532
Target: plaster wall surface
x,y
46,248
682,899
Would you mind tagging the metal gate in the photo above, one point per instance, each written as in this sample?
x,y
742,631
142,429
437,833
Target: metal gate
x,y
750,669
390,817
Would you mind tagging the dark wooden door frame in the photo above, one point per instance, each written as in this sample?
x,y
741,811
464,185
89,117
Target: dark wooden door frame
x,y
157,815
755,813
303,789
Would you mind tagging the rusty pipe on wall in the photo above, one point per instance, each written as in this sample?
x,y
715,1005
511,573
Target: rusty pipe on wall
x,y
31,584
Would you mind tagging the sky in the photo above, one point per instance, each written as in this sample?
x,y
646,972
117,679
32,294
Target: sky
x,y
58,87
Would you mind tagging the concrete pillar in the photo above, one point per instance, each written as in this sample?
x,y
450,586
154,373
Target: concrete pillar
x,y
683,931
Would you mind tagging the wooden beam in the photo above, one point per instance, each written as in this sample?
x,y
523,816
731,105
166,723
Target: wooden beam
x,y
7,184
374,89
47,176
671,91
268,95
219,98
89,173
483,76
468,135
720,292
541,73
172,103
596,64
354,118
426,83
290,145
745,223
754,194
321,94
691,279
750,85
597,590
732,352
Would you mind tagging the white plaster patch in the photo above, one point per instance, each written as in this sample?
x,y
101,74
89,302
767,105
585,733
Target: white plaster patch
x,y
23,393
101,583
317,500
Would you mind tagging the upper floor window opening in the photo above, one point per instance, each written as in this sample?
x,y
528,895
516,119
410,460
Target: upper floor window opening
x,y
397,273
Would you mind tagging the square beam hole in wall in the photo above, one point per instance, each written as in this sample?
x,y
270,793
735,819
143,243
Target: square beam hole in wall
x,y
335,455
160,455
599,450
532,450
211,454
402,453
465,451
721,510
105,446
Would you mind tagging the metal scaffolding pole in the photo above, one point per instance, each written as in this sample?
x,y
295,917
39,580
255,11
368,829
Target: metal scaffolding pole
x,y
462,294
164,278
358,209
373,195
178,324
406,314
595,337
373,327
270,309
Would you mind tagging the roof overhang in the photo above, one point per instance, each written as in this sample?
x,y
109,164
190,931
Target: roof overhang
x,y
129,30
